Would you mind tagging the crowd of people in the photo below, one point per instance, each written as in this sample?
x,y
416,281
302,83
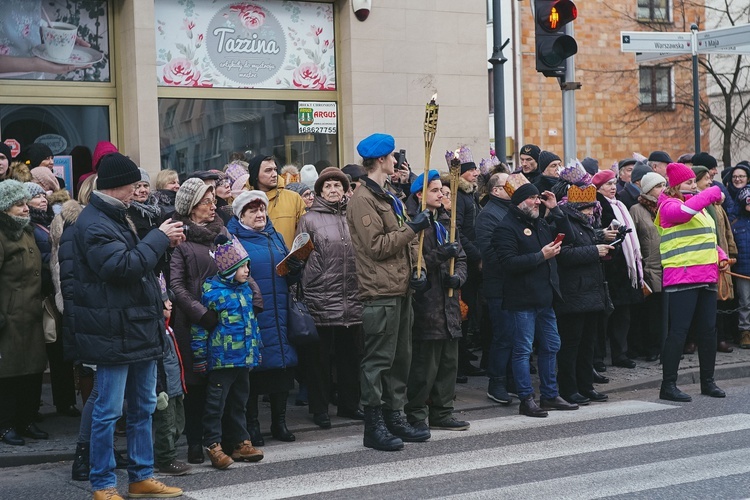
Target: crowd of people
x,y
171,305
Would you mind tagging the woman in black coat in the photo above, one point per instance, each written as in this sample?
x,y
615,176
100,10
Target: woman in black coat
x,y
581,285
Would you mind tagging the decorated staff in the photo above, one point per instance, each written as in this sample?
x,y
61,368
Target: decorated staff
x,y
454,169
430,127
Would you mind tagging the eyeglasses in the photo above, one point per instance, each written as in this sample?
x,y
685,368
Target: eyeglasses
x,y
736,177
207,202
309,195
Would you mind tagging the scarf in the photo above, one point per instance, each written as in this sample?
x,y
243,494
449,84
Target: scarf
x,y
41,217
149,210
440,233
631,248
649,203
398,208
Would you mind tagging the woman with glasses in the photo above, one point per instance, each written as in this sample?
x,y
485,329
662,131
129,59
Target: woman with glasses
x,y
737,185
307,194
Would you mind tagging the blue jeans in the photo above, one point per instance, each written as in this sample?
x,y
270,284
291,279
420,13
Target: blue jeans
x,y
137,383
502,338
542,324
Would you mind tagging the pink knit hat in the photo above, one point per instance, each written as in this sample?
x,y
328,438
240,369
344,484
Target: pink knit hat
x,y
102,148
45,178
677,173
602,177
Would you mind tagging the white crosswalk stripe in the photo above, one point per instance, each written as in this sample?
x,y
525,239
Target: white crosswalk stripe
x,y
642,477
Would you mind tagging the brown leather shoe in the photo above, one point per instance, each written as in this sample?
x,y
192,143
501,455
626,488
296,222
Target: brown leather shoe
x,y
745,339
724,347
557,403
219,459
151,488
529,408
246,452
107,494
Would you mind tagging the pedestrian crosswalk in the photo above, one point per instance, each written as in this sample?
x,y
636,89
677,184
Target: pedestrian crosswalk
x,y
384,468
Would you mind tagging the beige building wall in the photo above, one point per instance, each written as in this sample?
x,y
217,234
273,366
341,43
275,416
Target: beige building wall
x,y
392,63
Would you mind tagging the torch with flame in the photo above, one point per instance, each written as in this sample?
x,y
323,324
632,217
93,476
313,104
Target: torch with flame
x,y
430,127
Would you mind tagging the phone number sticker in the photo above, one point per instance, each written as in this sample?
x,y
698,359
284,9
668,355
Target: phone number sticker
x,y
317,130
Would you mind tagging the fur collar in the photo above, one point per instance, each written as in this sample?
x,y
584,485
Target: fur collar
x,y
70,212
203,235
11,228
61,196
466,186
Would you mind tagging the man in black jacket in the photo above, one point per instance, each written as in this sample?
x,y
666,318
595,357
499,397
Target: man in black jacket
x,y
501,321
119,324
526,250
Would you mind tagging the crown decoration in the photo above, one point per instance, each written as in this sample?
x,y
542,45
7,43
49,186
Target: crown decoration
x,y
486,165
640,157
464,154
229,255
574,173
162,284
578,194
515,181
450,157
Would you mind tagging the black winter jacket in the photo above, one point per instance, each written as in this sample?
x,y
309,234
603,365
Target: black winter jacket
x,y
467,208
487,221
629,195
581,276
529,281
117,304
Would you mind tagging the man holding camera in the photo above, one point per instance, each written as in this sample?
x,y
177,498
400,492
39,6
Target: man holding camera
x,y
526,248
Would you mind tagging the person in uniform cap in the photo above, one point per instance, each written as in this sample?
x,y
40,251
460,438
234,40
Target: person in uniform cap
x,y
119,324
658,161
629,194
385,244
528,157
526,249
624,170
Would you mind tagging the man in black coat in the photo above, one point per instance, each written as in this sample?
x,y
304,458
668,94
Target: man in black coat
x,y
526,247
501,321
119,326
632,190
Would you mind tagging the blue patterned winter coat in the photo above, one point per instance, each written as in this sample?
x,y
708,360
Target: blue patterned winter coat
x,y
235,342
266,249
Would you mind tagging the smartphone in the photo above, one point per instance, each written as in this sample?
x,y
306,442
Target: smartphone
x,y
618,241
400,158
559,238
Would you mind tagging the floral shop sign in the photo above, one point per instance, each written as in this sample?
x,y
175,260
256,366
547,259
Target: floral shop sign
x,y
265,44
316,117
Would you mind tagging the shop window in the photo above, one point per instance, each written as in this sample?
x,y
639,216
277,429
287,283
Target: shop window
x,y
30,49
656,88
293,132
654,10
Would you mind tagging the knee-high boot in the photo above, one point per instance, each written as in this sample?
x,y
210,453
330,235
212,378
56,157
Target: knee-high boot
x,y
253,425
278,417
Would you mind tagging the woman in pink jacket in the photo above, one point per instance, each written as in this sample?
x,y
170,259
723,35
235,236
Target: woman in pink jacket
x,y
691,259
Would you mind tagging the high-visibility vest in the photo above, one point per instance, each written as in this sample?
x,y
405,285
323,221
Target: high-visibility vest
x,y
690,244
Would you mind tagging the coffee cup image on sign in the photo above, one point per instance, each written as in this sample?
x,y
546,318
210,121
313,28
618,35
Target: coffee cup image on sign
x,y
59,39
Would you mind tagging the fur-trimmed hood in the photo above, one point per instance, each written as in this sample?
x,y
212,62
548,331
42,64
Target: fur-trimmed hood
x,y
58,197
466,186
68,216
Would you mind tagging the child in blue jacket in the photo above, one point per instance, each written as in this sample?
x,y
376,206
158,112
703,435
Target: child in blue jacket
x,y
227,353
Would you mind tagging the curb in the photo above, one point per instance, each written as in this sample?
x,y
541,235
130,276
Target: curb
x,y
688,377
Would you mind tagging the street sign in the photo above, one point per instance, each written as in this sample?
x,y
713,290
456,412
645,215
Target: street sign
x,y
14,145
724,37
654,56
729,51
672,42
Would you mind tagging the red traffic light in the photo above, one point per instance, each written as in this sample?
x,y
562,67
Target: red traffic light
x,y
556,15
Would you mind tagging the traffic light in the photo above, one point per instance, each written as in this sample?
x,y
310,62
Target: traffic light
x,y
553,46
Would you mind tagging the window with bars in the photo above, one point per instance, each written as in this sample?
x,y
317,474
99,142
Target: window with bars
x,y
654,10
656,88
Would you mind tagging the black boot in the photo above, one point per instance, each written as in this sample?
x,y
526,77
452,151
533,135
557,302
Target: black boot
x,y
496,391
80,469
120,461
377,436
399,427
253,425
709,388
278,417
670,392
195,454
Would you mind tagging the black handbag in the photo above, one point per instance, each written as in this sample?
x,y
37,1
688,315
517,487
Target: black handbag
x,y
300,326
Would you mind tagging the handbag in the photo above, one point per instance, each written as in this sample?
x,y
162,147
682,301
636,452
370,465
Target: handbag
x,y
50,319
300,325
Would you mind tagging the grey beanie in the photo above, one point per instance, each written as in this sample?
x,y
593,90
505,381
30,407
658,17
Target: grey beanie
x,y
190,193
34,189
144,176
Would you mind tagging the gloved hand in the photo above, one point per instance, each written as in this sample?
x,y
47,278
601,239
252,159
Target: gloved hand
x,y
447,251
420,222
209,321
418,281
162,400
451,281
294,265
200,367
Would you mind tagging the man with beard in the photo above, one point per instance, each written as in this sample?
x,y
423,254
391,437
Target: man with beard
x,y
526,248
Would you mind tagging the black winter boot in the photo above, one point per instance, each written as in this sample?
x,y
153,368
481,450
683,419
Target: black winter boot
x,y
496,391
709,388
377,436
253,425
278,417
80,469
399,427
670,392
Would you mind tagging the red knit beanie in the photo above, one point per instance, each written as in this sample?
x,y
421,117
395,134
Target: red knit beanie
x,y
602,177
677,173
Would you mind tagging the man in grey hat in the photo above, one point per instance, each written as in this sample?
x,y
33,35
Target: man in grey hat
x,y
632,190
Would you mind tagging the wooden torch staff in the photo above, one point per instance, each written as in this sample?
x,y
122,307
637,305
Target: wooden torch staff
x,y
430,127
455,174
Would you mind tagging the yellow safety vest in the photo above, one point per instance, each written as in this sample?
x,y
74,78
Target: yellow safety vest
x,y
690,244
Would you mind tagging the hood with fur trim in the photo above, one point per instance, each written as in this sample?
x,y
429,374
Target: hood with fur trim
x,y
68,216
466,186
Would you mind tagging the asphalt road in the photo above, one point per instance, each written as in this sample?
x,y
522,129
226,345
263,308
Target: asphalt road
x,y
625,448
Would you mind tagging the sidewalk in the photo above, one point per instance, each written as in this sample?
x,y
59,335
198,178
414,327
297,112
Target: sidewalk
x,y
471,396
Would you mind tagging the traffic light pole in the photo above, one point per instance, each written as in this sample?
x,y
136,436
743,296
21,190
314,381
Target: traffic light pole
x,y
696,90
498,79
569,85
